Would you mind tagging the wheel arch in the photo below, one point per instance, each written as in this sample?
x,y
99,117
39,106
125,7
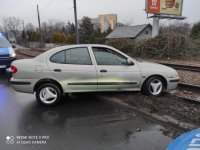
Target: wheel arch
x,y
155,75
47,80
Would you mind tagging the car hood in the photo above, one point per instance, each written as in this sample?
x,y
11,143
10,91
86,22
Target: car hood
x,y
154,68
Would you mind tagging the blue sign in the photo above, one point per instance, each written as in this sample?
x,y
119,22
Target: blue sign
x,y
187,141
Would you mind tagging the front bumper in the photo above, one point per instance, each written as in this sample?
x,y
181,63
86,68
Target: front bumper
x,y
172,84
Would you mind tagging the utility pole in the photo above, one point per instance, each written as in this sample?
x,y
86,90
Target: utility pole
x,y
24,36
41,40
155,30
76,24
23,24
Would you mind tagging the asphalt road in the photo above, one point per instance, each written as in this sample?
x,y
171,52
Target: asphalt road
x,y
80,122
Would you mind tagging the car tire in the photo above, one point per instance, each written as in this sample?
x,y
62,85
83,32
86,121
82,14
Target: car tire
x,y
154,86
48,94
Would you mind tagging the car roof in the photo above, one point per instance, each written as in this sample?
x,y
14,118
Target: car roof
x,y
82,45
56,49
78,45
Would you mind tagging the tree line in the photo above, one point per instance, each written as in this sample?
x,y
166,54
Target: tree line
x,y
54,31
57,31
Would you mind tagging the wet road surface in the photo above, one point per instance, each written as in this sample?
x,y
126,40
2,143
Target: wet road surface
x,y
80,122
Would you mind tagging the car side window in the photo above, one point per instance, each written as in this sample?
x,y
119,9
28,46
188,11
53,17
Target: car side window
x,y
79,55
58,58
105,56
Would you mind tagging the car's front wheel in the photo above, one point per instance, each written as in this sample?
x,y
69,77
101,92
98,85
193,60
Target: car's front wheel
x,y
48,94
154,86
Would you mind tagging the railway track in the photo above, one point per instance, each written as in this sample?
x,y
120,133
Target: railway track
x,y
189,86
23,55
30,53
183,67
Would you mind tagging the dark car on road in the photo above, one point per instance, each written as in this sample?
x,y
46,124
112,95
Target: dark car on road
x,y
7,53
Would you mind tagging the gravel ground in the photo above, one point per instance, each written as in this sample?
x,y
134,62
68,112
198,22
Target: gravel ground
x,y
186,93
20,56
167,104
189,77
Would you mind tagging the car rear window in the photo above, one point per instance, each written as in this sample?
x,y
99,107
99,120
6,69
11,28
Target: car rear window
x,y
76,56
4,43
58,57
79,56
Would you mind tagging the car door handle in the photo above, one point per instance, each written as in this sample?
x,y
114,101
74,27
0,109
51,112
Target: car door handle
x,y
103,71
57,70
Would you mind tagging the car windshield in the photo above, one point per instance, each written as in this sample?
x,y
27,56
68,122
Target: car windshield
x,y
4,43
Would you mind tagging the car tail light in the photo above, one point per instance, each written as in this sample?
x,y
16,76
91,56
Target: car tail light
x,y
13,69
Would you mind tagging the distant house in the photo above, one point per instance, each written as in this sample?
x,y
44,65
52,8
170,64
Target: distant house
x,y
137,32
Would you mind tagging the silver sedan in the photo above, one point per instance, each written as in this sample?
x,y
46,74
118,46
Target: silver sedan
x,y
88,68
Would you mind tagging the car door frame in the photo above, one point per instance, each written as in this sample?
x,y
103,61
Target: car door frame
x,y
70,85
119,85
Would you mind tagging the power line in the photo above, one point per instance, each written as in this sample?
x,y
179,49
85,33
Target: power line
x,y
48,4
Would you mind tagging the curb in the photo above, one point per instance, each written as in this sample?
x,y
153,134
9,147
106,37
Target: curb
x,y
188,99
164,119
188,86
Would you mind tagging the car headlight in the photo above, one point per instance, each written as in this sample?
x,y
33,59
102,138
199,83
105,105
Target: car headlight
x,y
13,55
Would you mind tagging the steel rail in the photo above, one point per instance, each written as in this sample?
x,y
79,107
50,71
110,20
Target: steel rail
x,y
183,67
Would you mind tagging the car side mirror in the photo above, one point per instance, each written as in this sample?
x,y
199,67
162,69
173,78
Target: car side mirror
x,y
129,62
13,46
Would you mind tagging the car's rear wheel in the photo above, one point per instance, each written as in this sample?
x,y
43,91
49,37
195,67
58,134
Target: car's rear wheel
x,y
48,94
154,86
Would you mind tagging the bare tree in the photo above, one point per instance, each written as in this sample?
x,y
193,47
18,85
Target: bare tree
x,y
30,27
54,25
45,27
178,27
13,24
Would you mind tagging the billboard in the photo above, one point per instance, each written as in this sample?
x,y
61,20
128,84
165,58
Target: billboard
x,y
167,7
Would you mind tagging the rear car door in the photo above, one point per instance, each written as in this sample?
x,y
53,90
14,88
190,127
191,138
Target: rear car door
x,y
113,72
74,69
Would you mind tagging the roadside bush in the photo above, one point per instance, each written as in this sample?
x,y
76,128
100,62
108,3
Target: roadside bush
x,y
59,37
168,45
35,36
164,46
193,48
195,32
71,39
125,45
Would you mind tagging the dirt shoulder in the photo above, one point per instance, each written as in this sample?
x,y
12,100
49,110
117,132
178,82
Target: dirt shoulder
x,y
166,105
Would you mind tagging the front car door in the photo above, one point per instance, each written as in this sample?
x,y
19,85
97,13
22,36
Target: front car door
x,y
113,71
74,69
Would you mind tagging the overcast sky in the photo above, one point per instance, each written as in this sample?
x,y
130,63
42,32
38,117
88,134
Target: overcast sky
x,y
128,11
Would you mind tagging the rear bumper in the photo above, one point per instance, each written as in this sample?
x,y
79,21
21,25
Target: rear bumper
x,y
6,62
23,85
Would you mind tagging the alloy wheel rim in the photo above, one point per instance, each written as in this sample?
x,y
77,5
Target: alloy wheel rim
x,y
48,95
155,87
